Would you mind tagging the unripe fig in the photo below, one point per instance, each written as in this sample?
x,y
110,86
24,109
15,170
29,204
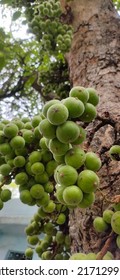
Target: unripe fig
x,y
28,168
75,157
42,143
107,216
36,120
59,194
48,237
89,114
60,237
49,228
115,222
19,123
2,137
108,256
68,132
56,172
59,159
21,151
26,197
47,129
5,169
10,130
46,156
50,167
37,191
72,195
58,148
115,152
5,149
35,156
81,137
5,195
50,207
88,200
37,133
33,240
91,256
99,224
29,252
1,204
21,178
46,255
44,200
57,114
48,105
19,161
80,92
58,257
117,206
41,213
118,241
92,161
29,229
49,187
78,256
74,106
42,178
93,96
17,142
67,175
68,240
25,119
37,168
61,219
2,125
88,181
39,250
28,136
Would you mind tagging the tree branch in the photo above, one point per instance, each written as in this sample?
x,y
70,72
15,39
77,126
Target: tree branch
x,y
17,88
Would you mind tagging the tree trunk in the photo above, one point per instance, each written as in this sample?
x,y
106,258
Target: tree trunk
x,y
94,61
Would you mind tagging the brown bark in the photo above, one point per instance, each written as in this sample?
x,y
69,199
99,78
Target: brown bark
x,y
94,61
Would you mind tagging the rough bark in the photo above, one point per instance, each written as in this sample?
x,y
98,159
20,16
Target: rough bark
x,y
94,61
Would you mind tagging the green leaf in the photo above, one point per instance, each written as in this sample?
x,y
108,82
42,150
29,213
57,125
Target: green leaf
x,y
6,2
16,15
30,81
2,60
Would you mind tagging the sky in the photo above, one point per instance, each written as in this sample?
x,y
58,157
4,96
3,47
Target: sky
x,y
18,30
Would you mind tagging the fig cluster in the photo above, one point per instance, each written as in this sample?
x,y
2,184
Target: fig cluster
x,y
55,243
25,158
63,135
44,157
34,152
55,79
109,220
91,256
48,28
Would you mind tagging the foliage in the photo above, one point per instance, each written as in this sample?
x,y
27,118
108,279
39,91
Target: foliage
x,y
5,51
19,73
117,4
39,60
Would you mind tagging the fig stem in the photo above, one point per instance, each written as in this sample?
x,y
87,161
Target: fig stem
x,y
105,247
